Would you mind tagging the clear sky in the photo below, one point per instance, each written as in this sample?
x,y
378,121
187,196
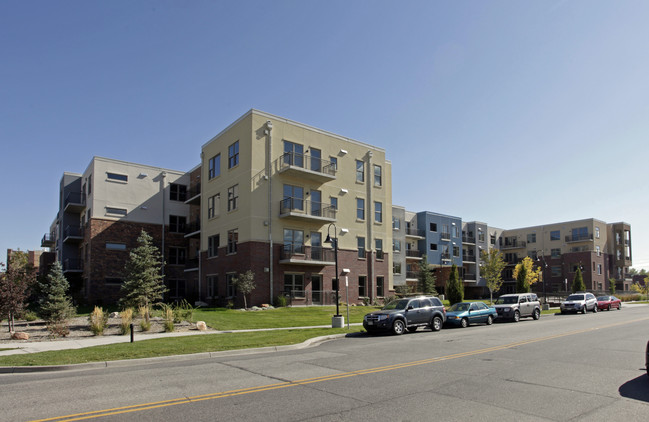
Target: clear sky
x,y
514,113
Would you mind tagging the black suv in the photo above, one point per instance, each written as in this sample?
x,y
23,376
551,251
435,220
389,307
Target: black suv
x,y
407,313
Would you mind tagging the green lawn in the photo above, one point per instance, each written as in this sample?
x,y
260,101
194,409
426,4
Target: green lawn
x,y
171,346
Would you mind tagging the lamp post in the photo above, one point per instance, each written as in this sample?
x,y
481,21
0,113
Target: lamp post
x,y
337,320
545,297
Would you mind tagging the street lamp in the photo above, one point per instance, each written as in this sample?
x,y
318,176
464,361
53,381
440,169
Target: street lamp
x,y
334,243
545,265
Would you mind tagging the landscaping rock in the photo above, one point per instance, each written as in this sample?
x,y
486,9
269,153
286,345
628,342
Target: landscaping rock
x,y
201,326
114,315
19,335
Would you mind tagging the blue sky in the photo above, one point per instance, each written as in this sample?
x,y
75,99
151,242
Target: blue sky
x,y
513,113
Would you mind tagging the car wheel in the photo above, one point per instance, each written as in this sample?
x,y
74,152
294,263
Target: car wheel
x,y
412,329
536,315
398,327
595,309
464,322
517,316
619,306
584,310
490,320
436,324
608,308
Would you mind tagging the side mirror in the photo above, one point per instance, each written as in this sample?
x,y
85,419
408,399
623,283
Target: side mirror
x,y
410,307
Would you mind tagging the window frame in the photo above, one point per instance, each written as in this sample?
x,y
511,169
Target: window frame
x,y
233,155
360,171
214,167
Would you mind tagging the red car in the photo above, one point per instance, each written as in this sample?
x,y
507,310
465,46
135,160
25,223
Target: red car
x,y
608,302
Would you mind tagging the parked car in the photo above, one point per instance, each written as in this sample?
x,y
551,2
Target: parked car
x,y
407,314
517,306
646,360
465,313
579,302
608,302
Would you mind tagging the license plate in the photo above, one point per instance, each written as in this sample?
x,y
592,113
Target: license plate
x,y
370,323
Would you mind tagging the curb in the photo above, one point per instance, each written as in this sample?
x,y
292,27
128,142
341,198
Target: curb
x,y
174,358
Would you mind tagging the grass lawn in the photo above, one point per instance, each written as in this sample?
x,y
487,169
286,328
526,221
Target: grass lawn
x,y
171,346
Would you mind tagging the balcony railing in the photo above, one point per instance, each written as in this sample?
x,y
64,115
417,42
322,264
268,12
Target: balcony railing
x,y
193,229
469,276
301,254
514,245
193,195
191,264
298,207
445,236
445,256
414,232
309,166
468,258
411,274
413,253
468,239
74,201
72,265
48,240
72,233
579,237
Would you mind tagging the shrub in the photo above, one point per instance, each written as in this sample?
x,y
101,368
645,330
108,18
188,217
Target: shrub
x,y
366,301
280,301
630,297
168,315
30,316
98,320
183,312
145,324
388,299
126,319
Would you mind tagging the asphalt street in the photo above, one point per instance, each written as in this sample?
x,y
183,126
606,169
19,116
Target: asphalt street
x,y
560,368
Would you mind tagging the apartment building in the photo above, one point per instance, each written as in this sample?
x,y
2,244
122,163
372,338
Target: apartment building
x,y
101,214
272,191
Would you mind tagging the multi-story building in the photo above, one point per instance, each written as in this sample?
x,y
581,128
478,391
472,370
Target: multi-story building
x,y
101,214
272,191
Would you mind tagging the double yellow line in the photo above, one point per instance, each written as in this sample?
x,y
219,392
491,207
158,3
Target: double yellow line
x,y
251,390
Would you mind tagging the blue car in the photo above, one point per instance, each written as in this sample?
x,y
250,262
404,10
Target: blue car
x,y
464,313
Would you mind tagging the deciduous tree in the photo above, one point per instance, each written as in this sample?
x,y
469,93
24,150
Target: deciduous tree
x,y
643,290
245,283
532,274
492,268
15,284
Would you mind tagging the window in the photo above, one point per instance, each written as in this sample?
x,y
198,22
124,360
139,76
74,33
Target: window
x,y
213,245
176,256
555,253
533,255
360,171
230,290
433,227
596,229
233,197
362,285
293,198
599,269
115,246
117,177
316,160
396,245
433,246
380,281
555,235
293,241
212,285
360,242
378,212
599,252
213,205
360,208
113,280
333,201
116,211
555,271
456,251
396,268
89,184
378,245
177,192
233,238
492,238
214,168
531,238
396,223
176,288
177,223
294,284
377,176
334,163
454,231
233,155
293,154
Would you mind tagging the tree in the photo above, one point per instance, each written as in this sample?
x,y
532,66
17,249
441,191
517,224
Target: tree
x,y
492,268
426,279
521,280
578,282
643,290
532,275
55,306
454,287
15,284
245,283
611,282
144,283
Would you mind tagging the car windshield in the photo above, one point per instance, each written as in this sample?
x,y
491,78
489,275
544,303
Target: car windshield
x,y
603,298
459,307
575,297
396,304
506,300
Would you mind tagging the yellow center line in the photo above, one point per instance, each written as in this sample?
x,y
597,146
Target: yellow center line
x,y
258,389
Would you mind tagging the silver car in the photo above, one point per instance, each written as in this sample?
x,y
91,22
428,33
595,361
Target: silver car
x,y
579,302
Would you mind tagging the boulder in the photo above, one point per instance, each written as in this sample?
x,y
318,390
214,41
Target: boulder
x,y
265,305
201,326
114,315
19,335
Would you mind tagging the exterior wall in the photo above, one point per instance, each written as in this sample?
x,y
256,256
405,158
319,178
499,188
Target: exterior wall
x,y
436,237
399,245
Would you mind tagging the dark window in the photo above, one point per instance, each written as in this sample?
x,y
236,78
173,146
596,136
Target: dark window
x,y
360,171
362,285
361,247
214,166
213,245
380,280
177,192
233,155
116,211
176,288
230,290
176,256
233,197
555,235
233,239
433,227
360,208
212,286
177,223
118,177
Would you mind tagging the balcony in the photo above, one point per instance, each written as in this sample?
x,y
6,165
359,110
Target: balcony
x,y
468,239
412,232
306,210
72,265
468,258
306,255
72,234
411,275
579,237
413,254
74,202
191,265
445,236
193,229
194,195
514,245
48,240
445,256
306,166
469,277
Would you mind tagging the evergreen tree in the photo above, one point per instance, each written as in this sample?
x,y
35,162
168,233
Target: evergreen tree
x,y
245,283
578,282
55,306
491,270
611,283
144,283
454,287
521,280
426,279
